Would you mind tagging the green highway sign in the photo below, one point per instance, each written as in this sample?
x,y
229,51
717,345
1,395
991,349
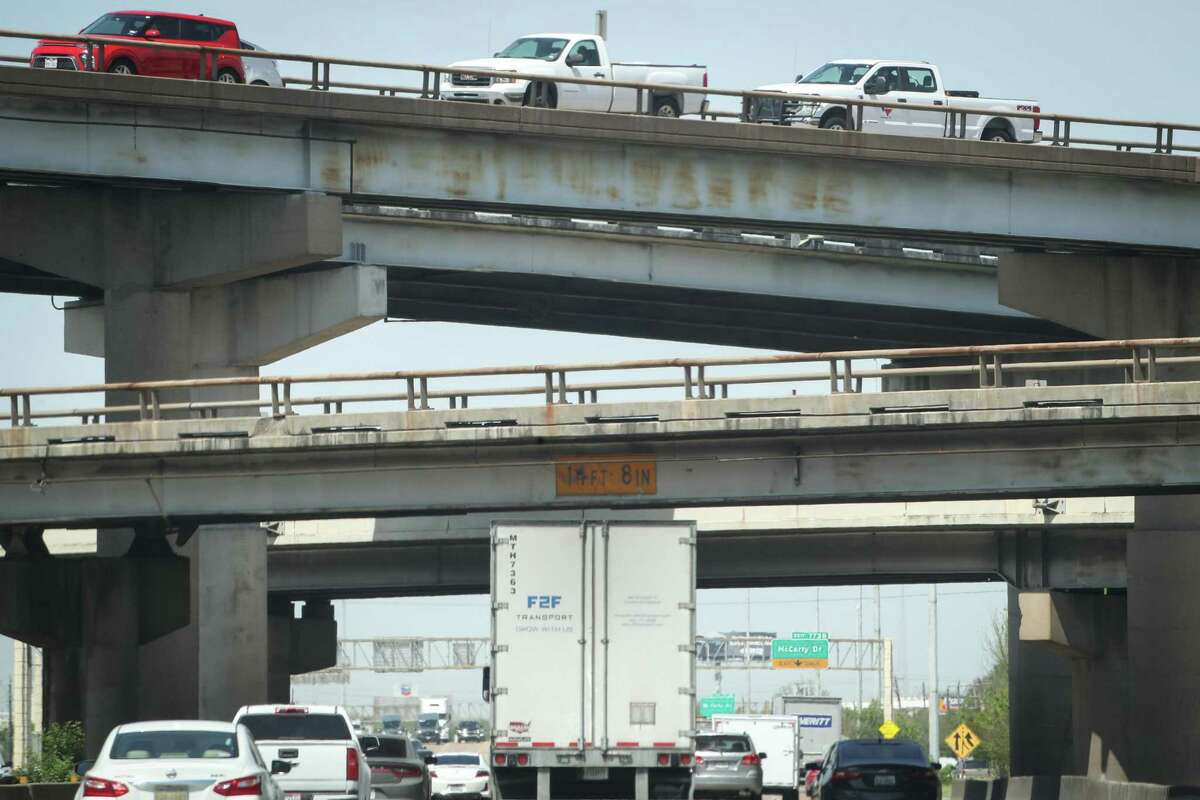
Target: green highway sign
x,y
810,635
717,704
799,648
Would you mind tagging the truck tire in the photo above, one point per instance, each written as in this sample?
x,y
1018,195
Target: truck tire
x,y
997,132
545,99
122,67
834,121
666,107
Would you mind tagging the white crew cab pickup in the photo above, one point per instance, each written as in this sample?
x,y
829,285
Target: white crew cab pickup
x,y
894,81
575,55
319,744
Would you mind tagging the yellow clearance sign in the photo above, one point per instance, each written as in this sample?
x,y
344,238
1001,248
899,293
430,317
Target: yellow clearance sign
x,y
601,476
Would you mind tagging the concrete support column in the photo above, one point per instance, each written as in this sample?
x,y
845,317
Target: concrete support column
x,y
1039,703
281,613
1164,640
110,658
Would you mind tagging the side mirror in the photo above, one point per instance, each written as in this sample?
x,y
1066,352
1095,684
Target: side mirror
x,y
487,684
152,33
574,60
877,85
431,759
82,767
762,756
281,767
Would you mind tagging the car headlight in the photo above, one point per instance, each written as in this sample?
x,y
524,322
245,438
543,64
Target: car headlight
x,y
503,79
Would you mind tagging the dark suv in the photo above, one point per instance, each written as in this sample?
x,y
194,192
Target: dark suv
x,y
134,58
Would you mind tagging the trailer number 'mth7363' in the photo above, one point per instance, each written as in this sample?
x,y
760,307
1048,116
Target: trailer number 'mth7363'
x,y
625,475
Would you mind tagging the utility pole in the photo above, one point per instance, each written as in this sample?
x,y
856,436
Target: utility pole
x,y
879,638
860,645
934,736
820,692
746,658
886,664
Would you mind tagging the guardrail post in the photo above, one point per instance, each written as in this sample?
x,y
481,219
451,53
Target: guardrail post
x,y
143,406
1066,133
745,110
700,383
595,395
1054,137
325,76
1158,131
983,371
424,394
1151,363
962,125
275,400
996,375
437,85
1137,367
1170,140
859,123
215,59
833,376
287,398
847,376
549,388
639,103
316,84
562,387
850,117
411,394
155,411
14,416
99,63
687,382
424,84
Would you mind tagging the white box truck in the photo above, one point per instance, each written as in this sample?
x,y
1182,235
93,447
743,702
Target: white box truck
x,y
777,735
820,721
592,683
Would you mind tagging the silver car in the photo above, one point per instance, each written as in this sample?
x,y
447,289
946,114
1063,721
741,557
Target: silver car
x,y
260,71
727,766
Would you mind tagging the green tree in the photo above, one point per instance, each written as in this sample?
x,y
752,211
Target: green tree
x,y
62,748
988,716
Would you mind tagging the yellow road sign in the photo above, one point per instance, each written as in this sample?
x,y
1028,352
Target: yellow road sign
x,y
889,729
962,741
606,475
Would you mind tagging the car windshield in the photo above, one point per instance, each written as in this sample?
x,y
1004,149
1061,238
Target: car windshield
x,y
384,746
843,74
545,49
118,25
723,744
296,726
141,745
881,753
458,760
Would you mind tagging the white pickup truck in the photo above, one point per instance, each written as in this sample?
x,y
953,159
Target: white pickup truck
x,y
901,82
318,742
575,55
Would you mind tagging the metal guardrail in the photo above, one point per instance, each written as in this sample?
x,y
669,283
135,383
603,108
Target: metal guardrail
x,y
431,87
1140,359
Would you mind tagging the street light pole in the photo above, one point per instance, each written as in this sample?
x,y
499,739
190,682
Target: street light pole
x,y
934,736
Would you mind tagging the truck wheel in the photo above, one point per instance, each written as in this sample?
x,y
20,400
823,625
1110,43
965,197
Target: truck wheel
x,y
122,67
546,98
997,134
834,121
666,107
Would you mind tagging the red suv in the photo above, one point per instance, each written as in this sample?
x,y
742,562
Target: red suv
x,y
149,26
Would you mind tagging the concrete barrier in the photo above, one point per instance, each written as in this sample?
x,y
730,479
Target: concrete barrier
x,y
39,791
1066,787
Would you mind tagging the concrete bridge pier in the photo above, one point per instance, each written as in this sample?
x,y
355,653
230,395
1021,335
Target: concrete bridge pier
x,y
185,286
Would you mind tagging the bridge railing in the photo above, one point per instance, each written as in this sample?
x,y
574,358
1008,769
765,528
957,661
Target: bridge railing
x,y
955,125
1140,360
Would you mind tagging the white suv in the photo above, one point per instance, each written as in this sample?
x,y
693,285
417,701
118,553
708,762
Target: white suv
x,y
318,743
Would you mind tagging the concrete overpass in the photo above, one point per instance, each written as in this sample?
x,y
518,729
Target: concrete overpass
x,y
83,127
858,447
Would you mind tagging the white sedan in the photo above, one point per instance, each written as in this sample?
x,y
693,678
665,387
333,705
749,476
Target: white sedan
x,y
185,760
460,775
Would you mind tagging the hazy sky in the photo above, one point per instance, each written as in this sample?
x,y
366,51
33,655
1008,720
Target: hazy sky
x,y
1051,52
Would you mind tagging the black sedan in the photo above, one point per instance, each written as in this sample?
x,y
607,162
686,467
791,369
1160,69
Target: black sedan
x,y
877,769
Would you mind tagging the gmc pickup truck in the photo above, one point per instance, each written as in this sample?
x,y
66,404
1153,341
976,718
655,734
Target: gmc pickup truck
x,y
317,741
901,82
575,55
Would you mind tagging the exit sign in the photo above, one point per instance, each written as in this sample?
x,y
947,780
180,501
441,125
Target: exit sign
x,y
800,653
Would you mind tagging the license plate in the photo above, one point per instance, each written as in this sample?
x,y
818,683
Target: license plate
x,y
885,780
295,796
595,773
170,794
51,63
457,787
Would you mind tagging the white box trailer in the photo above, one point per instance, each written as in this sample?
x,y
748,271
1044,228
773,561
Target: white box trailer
x,y
777,735
593,675
820,721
